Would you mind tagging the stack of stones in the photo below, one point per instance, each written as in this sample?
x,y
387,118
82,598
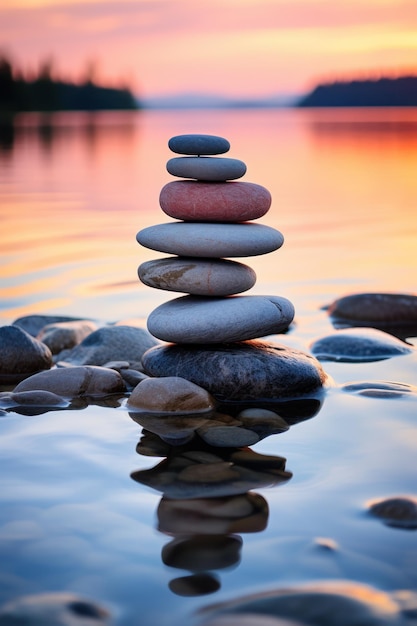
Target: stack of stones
x,y
214,216
212,333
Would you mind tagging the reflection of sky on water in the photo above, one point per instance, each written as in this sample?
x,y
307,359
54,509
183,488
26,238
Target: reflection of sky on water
x,y
344,200
72,518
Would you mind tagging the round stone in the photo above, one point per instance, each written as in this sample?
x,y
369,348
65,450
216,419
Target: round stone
x,y
398,512
206,168
170,394
110,343
64,335
193,319
393,312
194,585
244,371
353,345
211,240
198,144
213,277
69,382
198,201
21,355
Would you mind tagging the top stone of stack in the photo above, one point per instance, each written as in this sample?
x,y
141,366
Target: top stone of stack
x,y
198,144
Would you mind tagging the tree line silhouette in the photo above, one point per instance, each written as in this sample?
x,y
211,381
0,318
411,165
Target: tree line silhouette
x,y
45,93
384,92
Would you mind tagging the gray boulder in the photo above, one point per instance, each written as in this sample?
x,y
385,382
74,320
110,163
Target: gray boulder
x,y
70,382
111,343
21,355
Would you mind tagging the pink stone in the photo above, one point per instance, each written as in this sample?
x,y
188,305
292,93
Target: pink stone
x,y
196,201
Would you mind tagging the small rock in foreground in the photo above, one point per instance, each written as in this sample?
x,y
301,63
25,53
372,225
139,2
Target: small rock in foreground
x,y
170,394
70,382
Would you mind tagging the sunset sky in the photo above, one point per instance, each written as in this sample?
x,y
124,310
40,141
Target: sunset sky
x,y
228,47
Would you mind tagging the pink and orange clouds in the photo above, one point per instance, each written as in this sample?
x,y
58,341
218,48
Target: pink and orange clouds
x,y
230,47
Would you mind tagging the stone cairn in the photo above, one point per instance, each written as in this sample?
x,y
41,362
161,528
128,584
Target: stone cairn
x,y
216,222
212,333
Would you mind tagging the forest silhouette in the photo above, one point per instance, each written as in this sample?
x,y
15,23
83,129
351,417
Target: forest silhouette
x,y
45,93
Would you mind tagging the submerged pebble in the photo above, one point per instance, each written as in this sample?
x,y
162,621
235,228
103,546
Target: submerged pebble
x,y
398,511
354,345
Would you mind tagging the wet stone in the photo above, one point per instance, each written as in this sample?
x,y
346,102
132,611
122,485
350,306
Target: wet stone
x,y
70,382
197,144
21,355
206,168
170,394
65,335
201,277
199,201
380,389
398,512
391,312
250,370
354,345
111,343
32,398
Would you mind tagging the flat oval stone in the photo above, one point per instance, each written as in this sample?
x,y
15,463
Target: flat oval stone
x,y
199,201
211,240
359,345
193,319
250,370
198,144
206,168
214,277
170,394
395,313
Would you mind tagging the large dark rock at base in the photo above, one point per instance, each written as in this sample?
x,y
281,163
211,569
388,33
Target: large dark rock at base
x,y
21,355
394,313
248,370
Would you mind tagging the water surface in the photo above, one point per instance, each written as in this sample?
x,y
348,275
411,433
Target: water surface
x,y
74,190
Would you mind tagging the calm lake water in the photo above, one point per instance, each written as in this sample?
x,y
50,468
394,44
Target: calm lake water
x,y
74,190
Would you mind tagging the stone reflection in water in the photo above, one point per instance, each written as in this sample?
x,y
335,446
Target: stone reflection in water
x,y
207,504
